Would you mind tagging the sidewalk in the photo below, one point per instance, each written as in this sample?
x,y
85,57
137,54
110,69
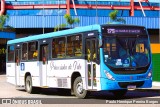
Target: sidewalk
x,y
153,89
156,87
156,84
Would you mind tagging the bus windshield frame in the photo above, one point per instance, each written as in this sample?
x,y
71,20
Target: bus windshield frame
x,y
130,41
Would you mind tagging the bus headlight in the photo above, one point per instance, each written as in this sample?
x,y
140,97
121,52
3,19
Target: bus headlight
x,y
149,74
108,75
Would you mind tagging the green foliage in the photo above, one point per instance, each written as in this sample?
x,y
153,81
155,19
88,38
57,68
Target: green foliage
x,y
76,20
69,22
3,19
113,17
60,27
69,19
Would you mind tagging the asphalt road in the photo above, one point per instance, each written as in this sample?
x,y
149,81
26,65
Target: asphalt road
x,y
53,96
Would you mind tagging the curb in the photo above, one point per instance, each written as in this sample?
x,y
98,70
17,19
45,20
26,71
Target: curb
x,y
153,89
149,90
157,84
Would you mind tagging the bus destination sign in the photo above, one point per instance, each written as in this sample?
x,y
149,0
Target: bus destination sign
x,y
115,31
120,30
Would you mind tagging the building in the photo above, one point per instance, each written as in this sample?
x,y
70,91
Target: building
x,y
4,36
31,17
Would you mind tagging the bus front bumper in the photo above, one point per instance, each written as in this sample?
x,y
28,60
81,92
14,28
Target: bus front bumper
x,y
115,85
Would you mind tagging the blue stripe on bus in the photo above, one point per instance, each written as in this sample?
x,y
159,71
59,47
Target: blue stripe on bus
x,y
55,34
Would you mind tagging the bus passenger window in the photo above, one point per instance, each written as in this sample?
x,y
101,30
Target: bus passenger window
x,y
58,48
78,45
32,50
10,53
24,51
69,50
74,46
35,54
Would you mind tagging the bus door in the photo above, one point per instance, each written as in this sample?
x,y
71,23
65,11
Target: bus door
x,y
17,62
43,64
91,62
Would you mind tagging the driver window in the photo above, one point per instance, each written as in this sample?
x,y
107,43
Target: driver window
x,y
110,48
140,48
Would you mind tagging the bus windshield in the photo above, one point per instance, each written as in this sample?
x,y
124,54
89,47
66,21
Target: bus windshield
x,y
126,52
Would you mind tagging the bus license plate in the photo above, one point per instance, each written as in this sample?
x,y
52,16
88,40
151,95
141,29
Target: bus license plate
x,y
131,86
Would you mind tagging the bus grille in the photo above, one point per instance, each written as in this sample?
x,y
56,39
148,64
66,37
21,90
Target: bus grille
x,y
126,72
125,84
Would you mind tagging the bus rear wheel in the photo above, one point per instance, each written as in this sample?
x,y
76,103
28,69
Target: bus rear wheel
x,y
78,88
28,85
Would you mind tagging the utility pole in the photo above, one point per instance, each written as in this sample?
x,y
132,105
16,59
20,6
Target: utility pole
x,y
96,13
43,17
58,15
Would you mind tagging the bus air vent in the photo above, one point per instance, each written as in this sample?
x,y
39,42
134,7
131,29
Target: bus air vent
x,y
62,83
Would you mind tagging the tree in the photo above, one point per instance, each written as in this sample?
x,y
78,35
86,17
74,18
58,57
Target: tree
x,y
3,19
61,26
114,18
69,22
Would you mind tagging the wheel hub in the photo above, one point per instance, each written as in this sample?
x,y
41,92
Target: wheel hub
x,y
79,88
28,85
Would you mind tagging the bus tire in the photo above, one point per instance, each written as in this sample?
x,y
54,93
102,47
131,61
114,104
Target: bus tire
x,y
119,93
78,88
28,85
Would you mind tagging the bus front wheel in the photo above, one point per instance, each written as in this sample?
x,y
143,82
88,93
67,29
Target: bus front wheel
x,y
28,85
78,88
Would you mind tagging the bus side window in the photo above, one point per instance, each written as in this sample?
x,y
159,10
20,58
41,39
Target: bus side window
x,y
11,53
55,48
58,48
35,54
74,46
32,50
69,50
24,51
78,45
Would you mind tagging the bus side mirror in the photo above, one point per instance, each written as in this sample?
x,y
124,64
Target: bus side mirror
x,y
100,43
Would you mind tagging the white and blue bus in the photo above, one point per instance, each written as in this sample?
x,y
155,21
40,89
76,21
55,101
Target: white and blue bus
x,y
92,58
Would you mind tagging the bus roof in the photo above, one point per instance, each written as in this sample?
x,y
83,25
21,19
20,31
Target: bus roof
x,y
65,32
55,34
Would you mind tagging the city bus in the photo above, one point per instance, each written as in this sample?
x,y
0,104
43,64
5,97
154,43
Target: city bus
x,y
109,57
